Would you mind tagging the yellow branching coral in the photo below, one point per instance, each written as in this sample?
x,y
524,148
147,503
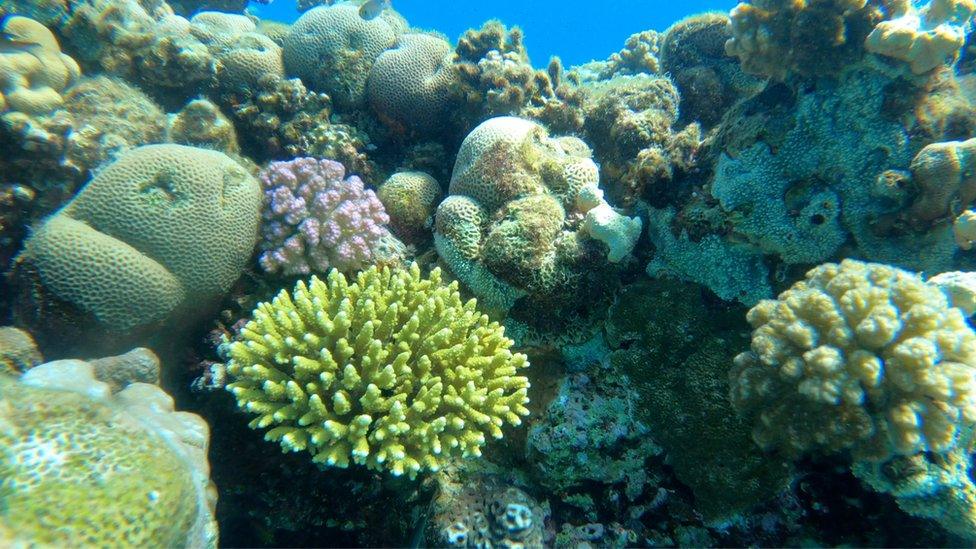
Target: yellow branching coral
x,y
392,371
861,357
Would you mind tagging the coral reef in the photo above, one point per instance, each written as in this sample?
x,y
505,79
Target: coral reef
x,y
777,38
861,357
162,228
410,199
33,71
316,219
516,218
83,465
630,119
391,371
708,81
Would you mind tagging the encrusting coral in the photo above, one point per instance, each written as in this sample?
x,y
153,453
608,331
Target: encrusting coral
x,y
390,370
861,357
316,219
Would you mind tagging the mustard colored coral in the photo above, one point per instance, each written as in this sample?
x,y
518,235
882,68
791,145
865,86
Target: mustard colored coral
x,y
391,371
861,357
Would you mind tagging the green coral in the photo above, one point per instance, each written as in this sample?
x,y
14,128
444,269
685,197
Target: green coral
x,y
391,371
675,352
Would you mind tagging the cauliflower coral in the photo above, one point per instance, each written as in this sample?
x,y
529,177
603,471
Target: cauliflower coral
x,y
316,220
391,371
861,357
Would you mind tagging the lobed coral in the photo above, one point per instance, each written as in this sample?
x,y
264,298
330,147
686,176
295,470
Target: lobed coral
x,y
316,220
943,175
391,371
33,71
924,38
201,124
861,357
81,465
18,352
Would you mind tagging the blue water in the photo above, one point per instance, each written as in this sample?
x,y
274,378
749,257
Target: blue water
x,y
576,31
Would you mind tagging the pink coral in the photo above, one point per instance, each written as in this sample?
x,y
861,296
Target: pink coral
x,y
315,218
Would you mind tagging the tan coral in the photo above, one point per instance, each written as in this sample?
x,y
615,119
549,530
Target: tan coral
x,y
926,38
861,357
35,72
945,174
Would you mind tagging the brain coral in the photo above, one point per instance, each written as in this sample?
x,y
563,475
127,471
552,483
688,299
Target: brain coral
x,y
332,49
244,54
161,225
410,199
33,71
316,220
861,357
391,370
410,85
81,466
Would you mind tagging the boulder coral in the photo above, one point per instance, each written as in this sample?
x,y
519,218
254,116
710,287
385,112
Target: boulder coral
x,y
82,465
332,49
410,198
390,370
316,219
161,228
411,85
944,175
33,71
858,357
513,223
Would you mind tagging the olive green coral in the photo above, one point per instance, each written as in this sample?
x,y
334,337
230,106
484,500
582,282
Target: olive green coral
x,y
391,371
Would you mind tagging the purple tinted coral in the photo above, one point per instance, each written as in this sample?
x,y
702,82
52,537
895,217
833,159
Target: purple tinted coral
x,y
315,218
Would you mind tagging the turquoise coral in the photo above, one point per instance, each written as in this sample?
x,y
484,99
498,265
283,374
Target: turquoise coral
x,y
391,371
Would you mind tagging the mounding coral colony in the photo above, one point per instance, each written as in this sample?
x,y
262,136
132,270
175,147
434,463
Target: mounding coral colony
x,y
281,284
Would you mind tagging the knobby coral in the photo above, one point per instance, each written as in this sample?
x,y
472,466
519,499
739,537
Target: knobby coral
x,y
316,220
861,357
391,371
